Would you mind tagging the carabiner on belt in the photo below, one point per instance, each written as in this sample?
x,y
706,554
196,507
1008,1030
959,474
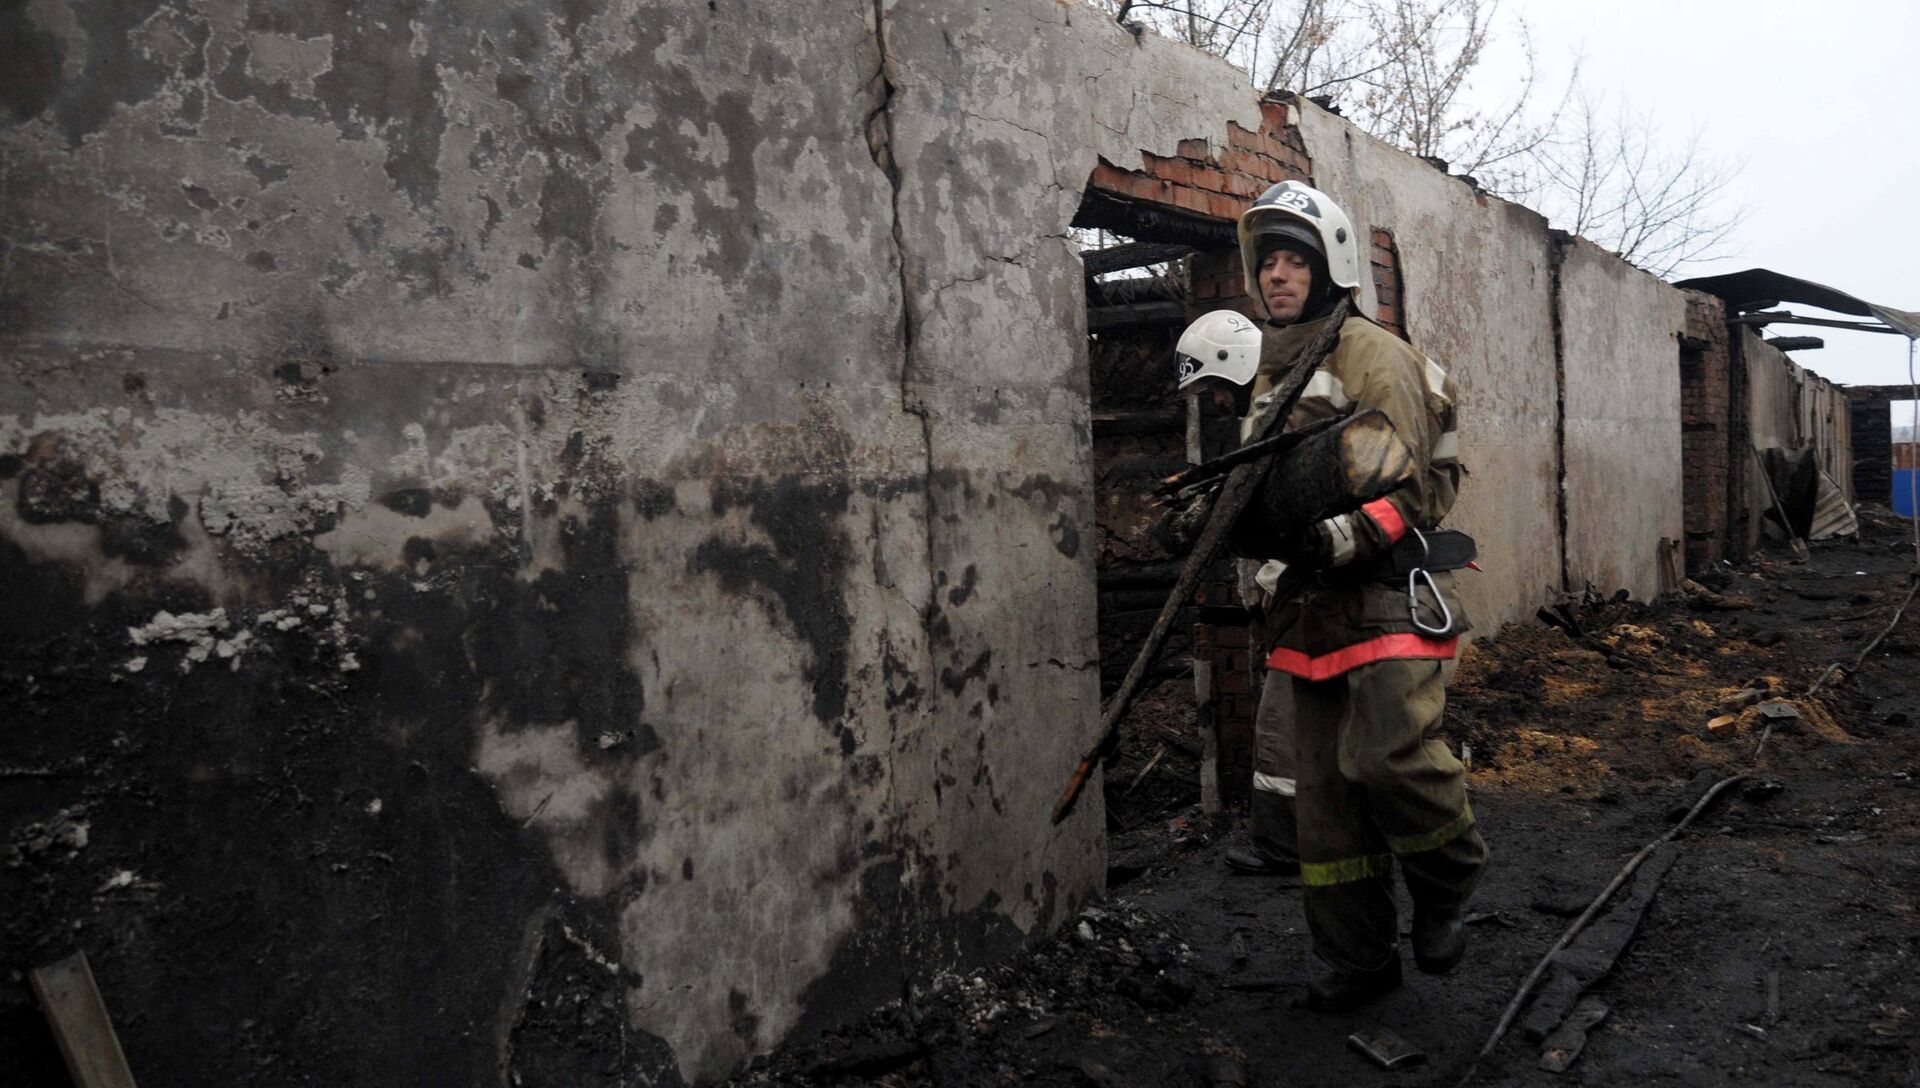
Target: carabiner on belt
x,y
1414,578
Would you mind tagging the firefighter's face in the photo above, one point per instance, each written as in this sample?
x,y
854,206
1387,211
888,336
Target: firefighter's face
x,y
1286,278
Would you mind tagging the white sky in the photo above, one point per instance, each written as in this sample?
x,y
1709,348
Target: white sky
x,y
1820,101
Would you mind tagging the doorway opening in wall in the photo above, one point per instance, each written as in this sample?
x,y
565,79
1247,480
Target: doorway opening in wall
x,y
1189,733
1906,457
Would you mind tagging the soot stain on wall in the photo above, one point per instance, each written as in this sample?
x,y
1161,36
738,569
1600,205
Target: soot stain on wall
x,y
799,575
556,650
399,884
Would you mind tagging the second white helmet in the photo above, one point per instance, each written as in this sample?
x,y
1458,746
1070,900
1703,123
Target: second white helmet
x,y
1222,344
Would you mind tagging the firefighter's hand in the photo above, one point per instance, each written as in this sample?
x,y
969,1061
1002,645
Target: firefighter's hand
x,y
1303,550
1321,545
1180,527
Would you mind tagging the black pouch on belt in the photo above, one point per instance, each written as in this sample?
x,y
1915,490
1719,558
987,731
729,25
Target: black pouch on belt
x,y
1434,551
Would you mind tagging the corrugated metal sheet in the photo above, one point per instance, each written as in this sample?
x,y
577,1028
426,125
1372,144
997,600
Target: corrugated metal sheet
x,y
1832,516
1758,284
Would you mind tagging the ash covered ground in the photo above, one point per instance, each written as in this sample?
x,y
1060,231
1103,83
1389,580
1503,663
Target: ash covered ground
x,y
1780,948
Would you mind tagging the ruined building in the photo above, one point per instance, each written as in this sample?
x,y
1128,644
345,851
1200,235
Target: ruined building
x,y
543,541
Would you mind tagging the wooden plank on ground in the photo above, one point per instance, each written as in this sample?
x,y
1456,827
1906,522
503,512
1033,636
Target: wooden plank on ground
x,y
1592,954
78,1015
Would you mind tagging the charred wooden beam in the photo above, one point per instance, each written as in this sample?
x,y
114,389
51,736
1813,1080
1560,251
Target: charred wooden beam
x,y
1593,953
1148,574
1146,222
1797,343
1781,317
1135,315
1141,421
1141,289
1119,258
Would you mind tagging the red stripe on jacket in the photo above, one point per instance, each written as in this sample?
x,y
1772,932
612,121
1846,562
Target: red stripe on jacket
x,y
1384,648
1387,517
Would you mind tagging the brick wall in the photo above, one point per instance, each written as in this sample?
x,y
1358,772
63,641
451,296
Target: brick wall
x,y
1705,440
1384,259
1215,185
1220,186
1873,449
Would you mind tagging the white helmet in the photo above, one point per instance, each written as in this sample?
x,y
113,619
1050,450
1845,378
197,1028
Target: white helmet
x,y
1307,215
1222,344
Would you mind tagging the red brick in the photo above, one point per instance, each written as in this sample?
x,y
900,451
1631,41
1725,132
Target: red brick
x,y
1194,149
1240,137
1232,683
1295,161
1177,171
1281,171
1243,186
1225,207
1125,182
1238,161
1206,177
1192,200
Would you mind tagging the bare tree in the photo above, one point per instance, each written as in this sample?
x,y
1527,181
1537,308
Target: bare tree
x,y
1396,67
1402,70
1417,97
1609,177
1222,27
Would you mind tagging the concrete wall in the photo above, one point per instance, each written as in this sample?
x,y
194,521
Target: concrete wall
x,y
1478,300
1619,331
545,536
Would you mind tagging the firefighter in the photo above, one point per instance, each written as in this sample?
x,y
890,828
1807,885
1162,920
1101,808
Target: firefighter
x,y
1357,619
1220,355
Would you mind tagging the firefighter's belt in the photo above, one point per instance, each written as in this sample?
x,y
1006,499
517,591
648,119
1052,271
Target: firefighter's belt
x,y
1445,549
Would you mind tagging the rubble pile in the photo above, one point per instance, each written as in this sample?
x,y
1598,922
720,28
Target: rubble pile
x,y
1092,1007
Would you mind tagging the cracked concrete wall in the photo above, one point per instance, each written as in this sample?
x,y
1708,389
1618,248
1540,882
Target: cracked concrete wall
x,y
1620,330
997,116
562,524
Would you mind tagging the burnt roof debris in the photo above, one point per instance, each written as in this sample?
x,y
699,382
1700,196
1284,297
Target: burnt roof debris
x,y
1752,293
1797,343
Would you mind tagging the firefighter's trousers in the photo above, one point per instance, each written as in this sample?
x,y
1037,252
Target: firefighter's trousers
x,y
1271,827
1375,784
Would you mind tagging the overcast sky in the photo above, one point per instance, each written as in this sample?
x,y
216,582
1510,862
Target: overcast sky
x,y
1820,101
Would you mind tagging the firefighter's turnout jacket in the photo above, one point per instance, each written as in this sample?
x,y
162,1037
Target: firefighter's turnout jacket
x,y
1353,614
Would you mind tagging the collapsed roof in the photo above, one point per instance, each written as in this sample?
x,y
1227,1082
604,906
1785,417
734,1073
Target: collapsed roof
x,y
1760,288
